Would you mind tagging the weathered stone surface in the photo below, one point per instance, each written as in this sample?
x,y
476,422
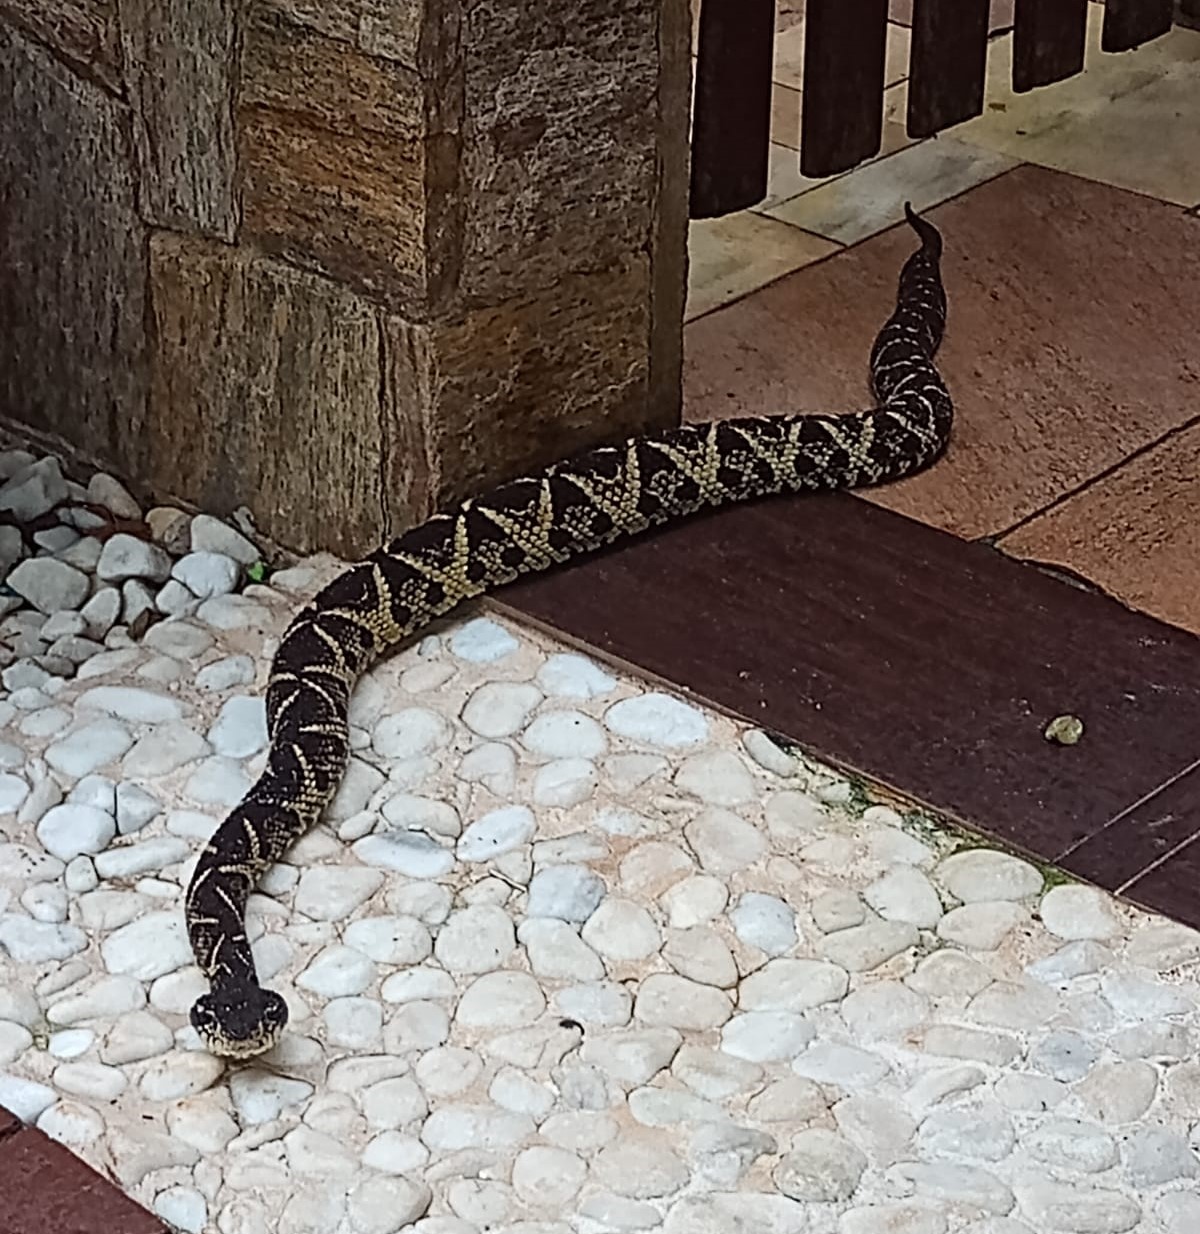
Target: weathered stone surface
x,y
278,373
527,69
83,31
389,29
180,64
73,257
333,149
518,386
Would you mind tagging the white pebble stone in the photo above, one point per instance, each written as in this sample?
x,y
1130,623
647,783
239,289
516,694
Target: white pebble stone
x,y
71,1123
447,1070
787,984
557,952
132,704
565,734
94,1080
385,1205
332,893
500,708
569,892
717,777
451,1128
260,1097
181,1073
724,842
502,999
482,641
390,940
25,1098
141,858
695,900
985,874
883,1009
218,781
407,812
981,925
135,1036
477,939
493,765
565,782
240,729
544,1175
70,1043
15,1039
416,984
135,807
353,1023
667,1000
13,791
568,675
657,720
226,673
701,954
765,922
1073,911
89,747
393,1152
903,893
45,902
869,945
36,942
622,930
184,1208
149,947
499,831
409,733
762,1036
336,972
164,749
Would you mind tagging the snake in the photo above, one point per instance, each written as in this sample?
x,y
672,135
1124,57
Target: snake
x,y
525,525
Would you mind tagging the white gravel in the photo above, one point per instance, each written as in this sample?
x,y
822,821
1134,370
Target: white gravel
x,y
570,956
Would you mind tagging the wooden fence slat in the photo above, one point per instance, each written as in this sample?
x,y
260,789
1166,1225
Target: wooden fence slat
x,y
1129,23
841,121
1048,41
947,64
731,116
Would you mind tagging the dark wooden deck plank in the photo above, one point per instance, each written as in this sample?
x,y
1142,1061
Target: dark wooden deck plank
x,y
731,114
845,44
1049,39
1130,23
929,664
947,64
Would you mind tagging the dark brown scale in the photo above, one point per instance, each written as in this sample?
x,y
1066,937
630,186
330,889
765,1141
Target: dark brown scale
x,y
425,575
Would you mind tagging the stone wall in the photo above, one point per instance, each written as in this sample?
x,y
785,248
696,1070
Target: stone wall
x,y
341,261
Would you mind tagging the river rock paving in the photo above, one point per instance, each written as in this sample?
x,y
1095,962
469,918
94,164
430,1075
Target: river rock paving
x,y
569,955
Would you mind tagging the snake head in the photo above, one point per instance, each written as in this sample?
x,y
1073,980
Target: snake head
x,y
239,1023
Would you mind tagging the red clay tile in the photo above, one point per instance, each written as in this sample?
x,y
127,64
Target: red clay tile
x,y
1071,342
1134,532
46,1189
10,1124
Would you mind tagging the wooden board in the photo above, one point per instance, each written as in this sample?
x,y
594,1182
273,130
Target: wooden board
x,y
948,64
1129,23
845,44
731,117
1049,39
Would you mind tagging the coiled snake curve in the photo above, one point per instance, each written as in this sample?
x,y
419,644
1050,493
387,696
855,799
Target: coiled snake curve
x,y
563,512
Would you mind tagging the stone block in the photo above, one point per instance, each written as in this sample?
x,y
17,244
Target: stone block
x,y
266,393
333,153
180,59
83,31
73,255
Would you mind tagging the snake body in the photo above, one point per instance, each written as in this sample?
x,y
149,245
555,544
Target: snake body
x,y
530,524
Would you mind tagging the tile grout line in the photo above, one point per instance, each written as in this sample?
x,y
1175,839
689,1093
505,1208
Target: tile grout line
x,y
1170,782
1155,864
994,538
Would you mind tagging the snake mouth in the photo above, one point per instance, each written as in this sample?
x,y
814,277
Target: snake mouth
x,y
239,1024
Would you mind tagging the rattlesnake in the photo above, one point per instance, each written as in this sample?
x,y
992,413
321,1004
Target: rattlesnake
x,y
569,509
